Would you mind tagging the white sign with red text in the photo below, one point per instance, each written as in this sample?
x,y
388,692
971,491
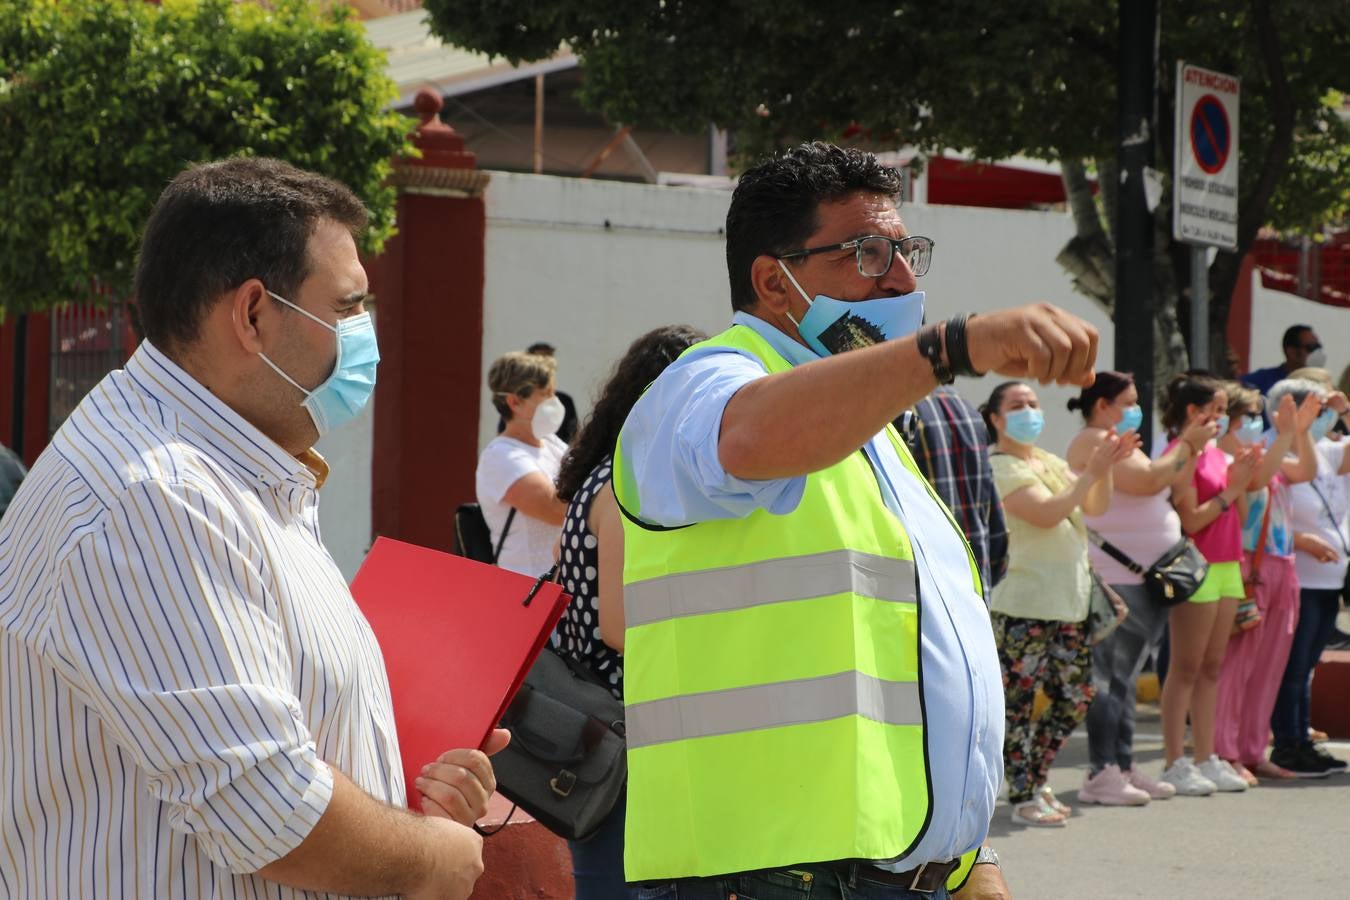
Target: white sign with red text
x,y
1205,169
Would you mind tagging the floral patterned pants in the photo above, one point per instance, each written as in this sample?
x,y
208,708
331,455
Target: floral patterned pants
x,y
1054,657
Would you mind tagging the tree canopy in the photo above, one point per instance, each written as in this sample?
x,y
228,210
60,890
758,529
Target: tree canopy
x,y
995,79
102,102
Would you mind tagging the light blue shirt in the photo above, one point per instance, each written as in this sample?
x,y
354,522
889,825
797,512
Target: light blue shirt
x,y
670,440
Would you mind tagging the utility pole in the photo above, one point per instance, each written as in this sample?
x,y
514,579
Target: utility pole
x,y
1136,98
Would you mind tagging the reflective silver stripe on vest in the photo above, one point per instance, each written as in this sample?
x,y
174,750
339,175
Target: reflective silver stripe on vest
x,y
770,581
772,706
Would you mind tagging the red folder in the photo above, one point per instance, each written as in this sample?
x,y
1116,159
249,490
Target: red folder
x,y
458,637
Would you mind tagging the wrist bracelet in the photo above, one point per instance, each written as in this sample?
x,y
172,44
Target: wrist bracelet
x,y
929,341
958,348
1223,504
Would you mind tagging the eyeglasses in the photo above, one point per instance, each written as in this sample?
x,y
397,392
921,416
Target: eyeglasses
x,y
876,253
1312,348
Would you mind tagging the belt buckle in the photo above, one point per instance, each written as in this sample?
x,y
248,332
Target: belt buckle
x,y
918,875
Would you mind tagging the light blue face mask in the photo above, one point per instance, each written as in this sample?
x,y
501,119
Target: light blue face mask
x,y
1250,431
833,326
1322,424
1222,422
346,391
1024,425
1132,419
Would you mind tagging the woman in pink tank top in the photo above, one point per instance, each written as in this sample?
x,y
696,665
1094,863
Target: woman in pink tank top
x,y
1209,507
1141,524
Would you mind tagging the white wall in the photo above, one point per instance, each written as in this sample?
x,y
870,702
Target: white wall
x,y
555,273
1274,311
345,498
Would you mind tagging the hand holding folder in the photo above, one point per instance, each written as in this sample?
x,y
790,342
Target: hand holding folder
x,y
458,637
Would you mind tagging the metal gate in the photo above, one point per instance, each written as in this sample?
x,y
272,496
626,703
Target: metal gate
x,y
88,342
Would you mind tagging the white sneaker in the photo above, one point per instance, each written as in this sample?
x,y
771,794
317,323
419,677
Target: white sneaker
x,y
1109,788
1186,778
1222,774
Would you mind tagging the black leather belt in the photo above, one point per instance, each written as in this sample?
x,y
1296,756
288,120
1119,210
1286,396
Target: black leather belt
x,y
926,879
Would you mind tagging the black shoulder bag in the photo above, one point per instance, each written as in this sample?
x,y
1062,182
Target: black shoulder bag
x,y
567,761
473,539
1173,578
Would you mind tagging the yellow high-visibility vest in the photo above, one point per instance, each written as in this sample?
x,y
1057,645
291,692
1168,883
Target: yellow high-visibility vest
x,y
771,678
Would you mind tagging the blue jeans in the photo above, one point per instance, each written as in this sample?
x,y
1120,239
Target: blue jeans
x,y
814,881
597,862
1293,705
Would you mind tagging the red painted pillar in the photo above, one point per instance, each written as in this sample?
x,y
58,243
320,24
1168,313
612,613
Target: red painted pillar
x,y
35,387
1239,331
429,316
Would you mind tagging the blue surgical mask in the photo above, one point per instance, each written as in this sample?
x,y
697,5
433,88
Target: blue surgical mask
x,y
1222,422
1133,418
346,391
1322,424
1024,425
1250,431
833,326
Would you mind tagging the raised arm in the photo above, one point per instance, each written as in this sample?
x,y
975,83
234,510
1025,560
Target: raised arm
x,y
1195,515
804,420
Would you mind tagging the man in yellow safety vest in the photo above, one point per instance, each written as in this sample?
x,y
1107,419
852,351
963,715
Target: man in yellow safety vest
x,y
813,697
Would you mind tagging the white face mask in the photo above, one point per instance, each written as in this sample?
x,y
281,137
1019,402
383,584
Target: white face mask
x,y
1317,359
548,418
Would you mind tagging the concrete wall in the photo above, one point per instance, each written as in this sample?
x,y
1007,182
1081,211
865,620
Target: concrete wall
x,y
557,272
344,500
1274,311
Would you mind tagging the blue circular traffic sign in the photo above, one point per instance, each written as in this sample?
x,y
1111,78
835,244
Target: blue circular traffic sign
x,y
1211,139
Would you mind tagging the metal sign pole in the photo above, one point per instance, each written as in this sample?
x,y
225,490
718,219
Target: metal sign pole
x,y
1199,308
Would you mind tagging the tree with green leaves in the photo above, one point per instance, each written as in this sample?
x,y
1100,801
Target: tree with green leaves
x,y
995,79
102,102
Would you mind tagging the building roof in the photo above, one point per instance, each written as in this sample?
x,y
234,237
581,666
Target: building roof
x,y
418,59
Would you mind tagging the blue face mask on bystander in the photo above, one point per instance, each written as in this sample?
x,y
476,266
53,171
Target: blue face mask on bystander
x,y
1131,420
346,391
1024,425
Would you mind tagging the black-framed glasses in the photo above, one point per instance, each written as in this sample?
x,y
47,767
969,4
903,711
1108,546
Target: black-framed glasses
x,y
877,252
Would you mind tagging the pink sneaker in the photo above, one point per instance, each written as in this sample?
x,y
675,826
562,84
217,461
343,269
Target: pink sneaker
x,y
1110,788
1157,790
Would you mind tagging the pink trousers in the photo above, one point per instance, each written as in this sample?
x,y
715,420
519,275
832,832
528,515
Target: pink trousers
x,y
1254,665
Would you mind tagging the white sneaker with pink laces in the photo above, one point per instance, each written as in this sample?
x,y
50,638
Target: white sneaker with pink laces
x,y
1157,790
1109,788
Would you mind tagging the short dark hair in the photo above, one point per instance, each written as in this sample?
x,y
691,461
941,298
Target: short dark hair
x,y
219,224
773,209
1293,335
541,348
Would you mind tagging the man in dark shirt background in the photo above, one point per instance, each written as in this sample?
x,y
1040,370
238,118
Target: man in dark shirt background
x,y
951,446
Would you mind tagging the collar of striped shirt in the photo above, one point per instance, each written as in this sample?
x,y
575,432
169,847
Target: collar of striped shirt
x,y
210,424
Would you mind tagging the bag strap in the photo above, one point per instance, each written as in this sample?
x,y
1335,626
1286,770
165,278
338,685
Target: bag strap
x,y
1115,553
1340,535
485,833
506,529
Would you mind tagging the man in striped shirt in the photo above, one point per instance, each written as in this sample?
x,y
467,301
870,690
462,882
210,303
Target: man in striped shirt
x,y
191,704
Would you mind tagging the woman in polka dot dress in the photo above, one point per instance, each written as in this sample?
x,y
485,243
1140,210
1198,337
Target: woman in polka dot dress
x,y
591,563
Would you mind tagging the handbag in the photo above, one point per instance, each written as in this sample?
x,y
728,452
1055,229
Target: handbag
x,y
472,538
1173,578
567,762
1106,610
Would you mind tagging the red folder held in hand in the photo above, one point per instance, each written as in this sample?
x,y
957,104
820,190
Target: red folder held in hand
x,y
458,637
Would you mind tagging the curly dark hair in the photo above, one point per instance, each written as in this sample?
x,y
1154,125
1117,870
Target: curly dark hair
x,y
773,209
646,358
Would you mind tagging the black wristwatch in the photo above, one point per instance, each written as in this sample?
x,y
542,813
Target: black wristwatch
x,y
986,856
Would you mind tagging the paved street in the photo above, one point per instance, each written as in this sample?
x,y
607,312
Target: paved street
x,y
1285,840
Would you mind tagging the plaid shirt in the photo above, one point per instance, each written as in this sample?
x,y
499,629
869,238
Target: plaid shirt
x,y
951,446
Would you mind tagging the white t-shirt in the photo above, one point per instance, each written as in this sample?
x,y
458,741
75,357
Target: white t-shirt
x,y
1311,515
529,544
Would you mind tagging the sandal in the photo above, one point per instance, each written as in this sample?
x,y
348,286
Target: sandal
x,y
1243,772
1036,814
1050,800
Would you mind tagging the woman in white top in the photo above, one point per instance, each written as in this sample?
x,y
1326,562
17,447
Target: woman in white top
x,y
1142,524
518,468
1039,607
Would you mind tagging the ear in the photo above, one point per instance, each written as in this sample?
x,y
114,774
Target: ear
x,y
772,287
250,307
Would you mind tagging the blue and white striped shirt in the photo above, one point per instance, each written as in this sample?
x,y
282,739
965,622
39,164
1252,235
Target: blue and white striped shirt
x,y
180,658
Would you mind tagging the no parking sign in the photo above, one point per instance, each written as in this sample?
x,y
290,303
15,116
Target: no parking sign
x,y
1205,184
